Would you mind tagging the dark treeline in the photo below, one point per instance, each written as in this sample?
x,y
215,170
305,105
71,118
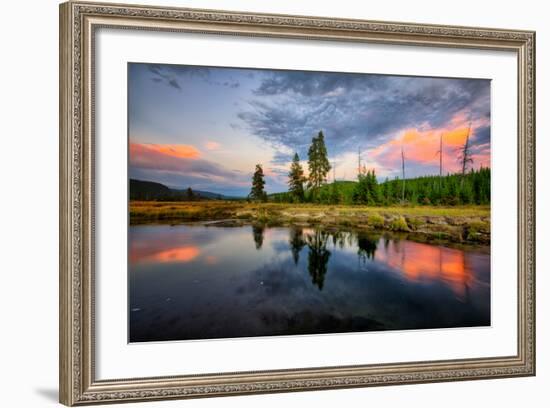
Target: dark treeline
x,y
453,189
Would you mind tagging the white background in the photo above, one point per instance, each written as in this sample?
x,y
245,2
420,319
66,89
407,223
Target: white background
x,y
117,359
28,166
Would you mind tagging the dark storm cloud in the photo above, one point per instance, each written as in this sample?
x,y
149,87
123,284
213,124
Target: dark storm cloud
x,y
314,83
289,107
169,74
172,74
483,135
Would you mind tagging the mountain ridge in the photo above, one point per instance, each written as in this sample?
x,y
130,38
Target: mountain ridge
x,y
151,190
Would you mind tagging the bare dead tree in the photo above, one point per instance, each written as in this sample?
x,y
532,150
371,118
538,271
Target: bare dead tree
x,y
465,155
403,168
440,152
358,160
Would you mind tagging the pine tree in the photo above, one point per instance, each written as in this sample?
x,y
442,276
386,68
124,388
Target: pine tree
x,y
296,179
189,194
366,189
257,192
318,163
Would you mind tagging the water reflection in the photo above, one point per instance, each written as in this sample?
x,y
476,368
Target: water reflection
x,y
424,263
258,234
297,242
191,282
318,257
366,244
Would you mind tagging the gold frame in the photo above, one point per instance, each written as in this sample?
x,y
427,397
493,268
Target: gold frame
x,y
78,22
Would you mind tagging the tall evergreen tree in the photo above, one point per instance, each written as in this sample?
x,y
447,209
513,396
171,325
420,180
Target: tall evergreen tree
x,y
318,163
296,179
257,192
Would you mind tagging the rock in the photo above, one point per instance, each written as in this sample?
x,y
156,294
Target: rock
x,y
436,220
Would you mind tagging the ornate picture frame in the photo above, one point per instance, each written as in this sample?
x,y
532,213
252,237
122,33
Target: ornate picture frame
x,y
79,22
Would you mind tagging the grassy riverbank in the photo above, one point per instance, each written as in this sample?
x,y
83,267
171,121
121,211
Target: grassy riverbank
x,y
459,224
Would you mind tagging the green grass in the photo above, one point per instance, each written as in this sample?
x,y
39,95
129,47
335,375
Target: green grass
x,y
459,223
215,210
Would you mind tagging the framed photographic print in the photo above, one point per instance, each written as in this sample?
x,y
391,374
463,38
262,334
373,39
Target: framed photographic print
x,y
262,203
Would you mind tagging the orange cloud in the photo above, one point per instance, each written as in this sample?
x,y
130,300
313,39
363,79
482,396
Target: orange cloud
x,y
421,146
179,151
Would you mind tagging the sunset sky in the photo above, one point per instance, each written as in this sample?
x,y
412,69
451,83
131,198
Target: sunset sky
x,y
207,128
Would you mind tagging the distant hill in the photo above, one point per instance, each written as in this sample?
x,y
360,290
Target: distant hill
x,y
204,194
150,190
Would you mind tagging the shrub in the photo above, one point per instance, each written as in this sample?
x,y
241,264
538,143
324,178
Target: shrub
x,y
399,224
375,220
414,223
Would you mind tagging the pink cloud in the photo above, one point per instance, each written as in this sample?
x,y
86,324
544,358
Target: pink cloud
x,y
185,161
421,145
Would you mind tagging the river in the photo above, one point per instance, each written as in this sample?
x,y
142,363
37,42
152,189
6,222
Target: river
x,y
204,282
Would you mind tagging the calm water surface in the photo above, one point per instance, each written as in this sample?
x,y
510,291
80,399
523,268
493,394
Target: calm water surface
x,y
198,282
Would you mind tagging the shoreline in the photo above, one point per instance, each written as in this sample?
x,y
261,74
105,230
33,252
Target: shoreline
x,y
469,225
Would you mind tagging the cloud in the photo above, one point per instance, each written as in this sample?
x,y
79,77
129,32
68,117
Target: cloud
x,y
282,157
288,108
231,84
144,150
172,74
174,84
180,166
421,146
483,135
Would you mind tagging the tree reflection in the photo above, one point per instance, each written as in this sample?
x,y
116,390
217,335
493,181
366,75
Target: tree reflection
x,y
366,246
339,239
258,234
318,257
297,242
